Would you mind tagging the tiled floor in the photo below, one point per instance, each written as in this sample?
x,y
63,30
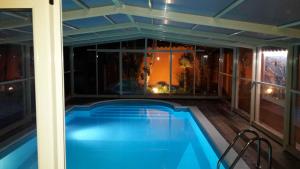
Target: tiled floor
x,y
229,124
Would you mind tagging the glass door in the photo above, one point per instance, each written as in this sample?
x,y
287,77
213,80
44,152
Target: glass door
x,y
244,82
31,85
271,90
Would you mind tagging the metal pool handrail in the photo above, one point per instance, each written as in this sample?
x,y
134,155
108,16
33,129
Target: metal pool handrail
x,y
239,135
257,139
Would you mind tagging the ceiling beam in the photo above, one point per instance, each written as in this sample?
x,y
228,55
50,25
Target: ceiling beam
x,y
70,26
292,24
120,4
176,16
211,35
109,19
168,29
15,15
210,21
104,40
195,26
81,4
99,29
236,33
102,36
150,4
229,8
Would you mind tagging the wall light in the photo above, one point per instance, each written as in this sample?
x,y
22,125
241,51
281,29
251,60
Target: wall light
x,y
157,58
155,90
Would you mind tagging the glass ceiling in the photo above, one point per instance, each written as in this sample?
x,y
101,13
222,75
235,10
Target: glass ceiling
x,y
116,23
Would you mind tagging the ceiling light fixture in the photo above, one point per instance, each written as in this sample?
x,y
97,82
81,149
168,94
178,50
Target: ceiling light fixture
x,y
169,1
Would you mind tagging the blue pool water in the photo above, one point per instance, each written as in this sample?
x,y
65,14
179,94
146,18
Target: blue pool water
x,y
129,135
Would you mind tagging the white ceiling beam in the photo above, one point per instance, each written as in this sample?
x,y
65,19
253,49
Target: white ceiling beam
x,y
11,4
229,8
104,40
81,4
19,30
150,4
194,27
297,23
168,29
77,32
70,26
202,34
102,36
15,15
99,29
236,33
120,4
110,20
194,40
179,17
210,21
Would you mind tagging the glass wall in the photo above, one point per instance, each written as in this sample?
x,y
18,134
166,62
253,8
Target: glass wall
x,y
226,67
67,70
206,71
158,68
17,90
245,60
133,74
108,73
158,72
85,70
295,123
271,83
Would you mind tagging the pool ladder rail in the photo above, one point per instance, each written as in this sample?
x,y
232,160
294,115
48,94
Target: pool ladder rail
x,y
256,139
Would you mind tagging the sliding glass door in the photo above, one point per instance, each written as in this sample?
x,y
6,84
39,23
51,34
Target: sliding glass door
x,y
271,89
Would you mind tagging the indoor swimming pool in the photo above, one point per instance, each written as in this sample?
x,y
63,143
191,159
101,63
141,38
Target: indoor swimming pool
x,y
129,134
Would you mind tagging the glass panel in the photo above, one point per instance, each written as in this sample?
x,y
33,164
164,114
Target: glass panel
x,y
157,44
296,122
226,87
12,108
67,59
273,66
207,71
18,146
245,75
11,62
158,72
271,107
108,73
182,73
133,73
245,63
134,44
67,84
244,101
85,70
115,45
296,71
227,61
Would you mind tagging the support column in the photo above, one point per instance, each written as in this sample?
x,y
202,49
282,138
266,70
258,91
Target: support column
x,y
288,110
49,80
